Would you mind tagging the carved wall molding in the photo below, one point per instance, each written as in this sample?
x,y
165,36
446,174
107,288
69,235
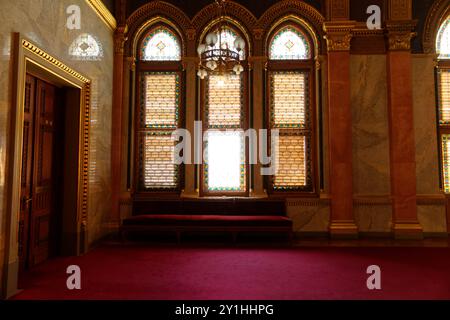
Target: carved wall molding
x,y
438,12
254,29
285,8
400,9
338,9
308,202
431,200
233,9
156,9
372,201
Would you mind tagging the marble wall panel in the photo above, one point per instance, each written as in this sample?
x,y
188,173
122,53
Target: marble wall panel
x,y
425,124
311,216
373,218
370,125
432,218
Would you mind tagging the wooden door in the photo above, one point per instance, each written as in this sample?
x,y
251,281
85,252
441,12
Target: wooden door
x,y
38,173
26,172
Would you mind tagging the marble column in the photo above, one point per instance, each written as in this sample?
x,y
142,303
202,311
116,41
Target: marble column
x,y
401,124
116,134
338,36
258,65
190,67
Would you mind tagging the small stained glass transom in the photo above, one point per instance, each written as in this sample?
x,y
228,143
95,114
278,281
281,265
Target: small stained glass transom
x,y
443,40
289,44
161,44
86,47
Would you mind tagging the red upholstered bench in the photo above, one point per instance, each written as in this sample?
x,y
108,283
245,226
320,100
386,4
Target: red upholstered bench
x,y
211,223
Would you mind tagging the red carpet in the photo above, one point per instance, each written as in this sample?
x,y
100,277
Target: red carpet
x,y
179,273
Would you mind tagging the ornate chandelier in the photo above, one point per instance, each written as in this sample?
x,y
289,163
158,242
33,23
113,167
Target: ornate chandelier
x,y
215,54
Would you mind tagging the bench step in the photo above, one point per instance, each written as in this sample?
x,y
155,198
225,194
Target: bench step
x,y
208,220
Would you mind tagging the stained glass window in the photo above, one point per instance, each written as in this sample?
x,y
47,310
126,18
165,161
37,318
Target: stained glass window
x,y
86,47
289,44
290,114
443,92
443,40
228,36
161,44
224,168
160,105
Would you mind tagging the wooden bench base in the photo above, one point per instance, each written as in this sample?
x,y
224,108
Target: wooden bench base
x,y
229,224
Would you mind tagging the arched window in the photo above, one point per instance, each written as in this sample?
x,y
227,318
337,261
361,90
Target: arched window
x,y
443,49
159,113
86,47
290,107
224,116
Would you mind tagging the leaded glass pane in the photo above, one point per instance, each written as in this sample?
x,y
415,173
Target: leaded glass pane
x,y
159,170
224,101
292,169
161,45
161,99
443,40
225,161
446,161
289,99
444,96
289,44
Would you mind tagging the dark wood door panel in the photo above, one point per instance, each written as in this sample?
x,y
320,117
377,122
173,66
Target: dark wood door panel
x,y
27,169
38,172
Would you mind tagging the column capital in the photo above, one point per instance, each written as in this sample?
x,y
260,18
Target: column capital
x,y
120,38
339,35
399,34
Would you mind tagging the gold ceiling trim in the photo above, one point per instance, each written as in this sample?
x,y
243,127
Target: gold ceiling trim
x,y
102,11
